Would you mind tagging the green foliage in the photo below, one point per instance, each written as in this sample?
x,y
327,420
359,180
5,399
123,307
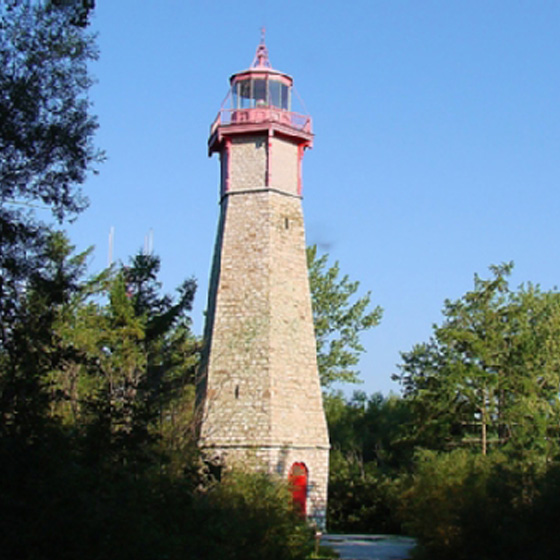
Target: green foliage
x,y
370,428
97,455
58,505
30,346
46,151
362,498
338,318
368,456
250,516
132,359
97,458
462,505
443,486
46,135
489,376
467,460
79,10
483,398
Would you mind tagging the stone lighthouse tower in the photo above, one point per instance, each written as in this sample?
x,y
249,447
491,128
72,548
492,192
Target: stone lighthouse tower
x,y
259,399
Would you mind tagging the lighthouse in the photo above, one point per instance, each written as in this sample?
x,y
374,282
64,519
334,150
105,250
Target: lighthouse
x,y
259,399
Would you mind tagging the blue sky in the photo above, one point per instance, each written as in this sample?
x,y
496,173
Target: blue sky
x,y
436,153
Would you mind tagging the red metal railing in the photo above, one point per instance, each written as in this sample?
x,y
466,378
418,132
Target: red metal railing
x,y
261,115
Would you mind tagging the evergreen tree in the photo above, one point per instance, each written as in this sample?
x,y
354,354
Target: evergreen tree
x,y
133,362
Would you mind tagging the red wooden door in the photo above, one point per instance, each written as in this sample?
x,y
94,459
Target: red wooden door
x,y
298,485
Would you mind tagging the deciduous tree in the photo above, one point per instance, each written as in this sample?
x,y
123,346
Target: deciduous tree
x,y
490,374
339,317
46,152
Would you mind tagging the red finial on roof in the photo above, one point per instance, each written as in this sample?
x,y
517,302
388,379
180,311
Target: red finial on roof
x,y
261,56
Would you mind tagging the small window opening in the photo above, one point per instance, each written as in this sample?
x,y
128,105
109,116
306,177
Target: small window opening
x,y
237,391
286,223
214,470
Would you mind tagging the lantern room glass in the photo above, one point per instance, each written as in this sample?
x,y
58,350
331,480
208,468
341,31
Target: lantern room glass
x,y
260,92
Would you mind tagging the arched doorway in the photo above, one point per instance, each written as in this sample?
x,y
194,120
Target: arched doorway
x,y
298,485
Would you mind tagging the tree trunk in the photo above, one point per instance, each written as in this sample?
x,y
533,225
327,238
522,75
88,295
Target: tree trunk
x,y
484,442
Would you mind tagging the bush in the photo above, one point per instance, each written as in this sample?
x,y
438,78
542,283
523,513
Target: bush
x,y
361,498
250,516
462,506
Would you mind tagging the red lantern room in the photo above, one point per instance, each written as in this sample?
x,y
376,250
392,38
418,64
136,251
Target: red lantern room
x,y
260,99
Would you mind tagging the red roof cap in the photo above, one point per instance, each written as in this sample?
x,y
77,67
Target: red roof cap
x,y
261,56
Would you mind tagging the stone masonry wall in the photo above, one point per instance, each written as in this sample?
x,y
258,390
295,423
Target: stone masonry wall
x,y
293,352
283,165
248,163
237,404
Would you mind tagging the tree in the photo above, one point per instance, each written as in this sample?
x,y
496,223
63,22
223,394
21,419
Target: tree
x,y
46,134
31,347
366,460
101,370
338,318
490,374
172,353
46,152
463,505
89,367
133,358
